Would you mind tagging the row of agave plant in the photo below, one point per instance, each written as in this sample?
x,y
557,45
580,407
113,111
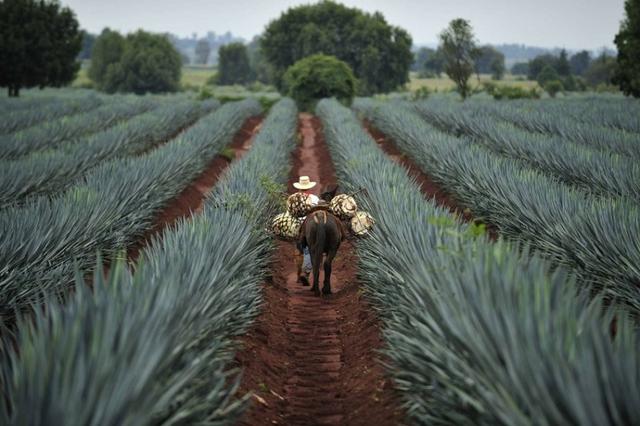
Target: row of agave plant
x,y
37,110
52,134
55,170
479,332
154,346
603,173
611,112
597,236
43,240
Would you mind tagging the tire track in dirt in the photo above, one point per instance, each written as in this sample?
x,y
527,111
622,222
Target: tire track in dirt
x,y
311,360
191,200
429,188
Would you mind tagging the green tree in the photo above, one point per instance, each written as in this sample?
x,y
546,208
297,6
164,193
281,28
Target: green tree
x,y
233,64
497,68
602,71
39,44
537,64
379,54
319,76
627,73
434,65
562,64
547,74
203,50
485,59
107,51
580,62
520,68
553,87
459,47
148,63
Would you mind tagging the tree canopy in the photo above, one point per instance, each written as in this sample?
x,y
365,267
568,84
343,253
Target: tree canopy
x,y
580,62
379,54
107,51
434,65
319,76
233,64
459,49
488,60
520,68
40,42
602,71
140,63
627,74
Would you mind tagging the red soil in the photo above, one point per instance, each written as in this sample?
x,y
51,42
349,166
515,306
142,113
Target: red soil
x,y
314,360
429,188
191,199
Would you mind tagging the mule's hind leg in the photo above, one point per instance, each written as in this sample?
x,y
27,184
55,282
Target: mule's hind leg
x,y
316,261
326,287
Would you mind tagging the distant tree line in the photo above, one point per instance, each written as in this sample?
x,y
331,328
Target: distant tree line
x,y
574,72
140,62
42,43
430,63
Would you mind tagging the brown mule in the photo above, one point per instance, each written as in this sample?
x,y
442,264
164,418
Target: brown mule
x,y
322,232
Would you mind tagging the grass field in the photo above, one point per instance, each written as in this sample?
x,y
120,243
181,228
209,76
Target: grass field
x,y
195,77
444,83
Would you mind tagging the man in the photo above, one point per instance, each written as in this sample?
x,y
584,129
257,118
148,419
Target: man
x,y
304,185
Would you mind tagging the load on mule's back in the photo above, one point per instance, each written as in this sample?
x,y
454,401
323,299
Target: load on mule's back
x,y
315,225
320,234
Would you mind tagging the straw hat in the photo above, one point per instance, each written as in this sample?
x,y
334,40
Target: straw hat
x,y
304,183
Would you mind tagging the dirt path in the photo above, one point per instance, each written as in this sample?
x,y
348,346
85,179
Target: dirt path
x,y
191,199
430,189
311,360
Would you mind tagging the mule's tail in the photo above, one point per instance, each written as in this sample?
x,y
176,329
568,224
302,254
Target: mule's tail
x,y
321,236
316,251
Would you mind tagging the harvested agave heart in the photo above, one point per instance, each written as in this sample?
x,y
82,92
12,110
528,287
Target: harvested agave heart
x,y
285,226
343,206
361,223
299,204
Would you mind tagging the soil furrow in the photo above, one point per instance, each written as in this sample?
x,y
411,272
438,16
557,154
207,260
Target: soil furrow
x,y
191,199
310,360
429,188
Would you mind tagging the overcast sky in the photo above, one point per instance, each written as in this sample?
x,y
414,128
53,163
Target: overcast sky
x,y
589,24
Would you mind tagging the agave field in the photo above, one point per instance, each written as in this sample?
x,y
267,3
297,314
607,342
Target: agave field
x,y
538,325
481,332
159,334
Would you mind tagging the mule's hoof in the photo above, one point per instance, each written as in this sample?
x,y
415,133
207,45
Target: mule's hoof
x,y
326,290
304,280
316,290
